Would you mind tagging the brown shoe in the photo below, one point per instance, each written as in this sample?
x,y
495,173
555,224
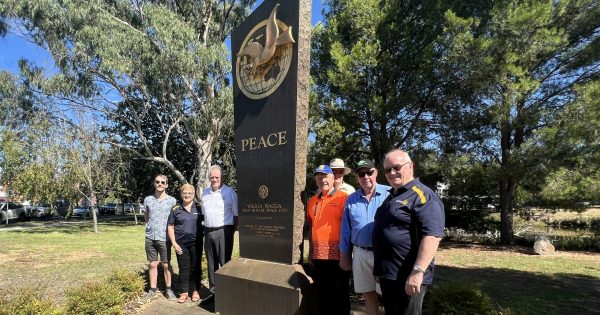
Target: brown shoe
x,y
195,296
183,297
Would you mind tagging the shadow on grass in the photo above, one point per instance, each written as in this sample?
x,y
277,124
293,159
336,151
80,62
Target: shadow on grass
x,y
71,225
529,293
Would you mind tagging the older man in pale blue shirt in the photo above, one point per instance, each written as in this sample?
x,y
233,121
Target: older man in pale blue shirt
x,y
356,244
220,210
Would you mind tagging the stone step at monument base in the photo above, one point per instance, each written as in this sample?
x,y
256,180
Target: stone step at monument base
x,y
248,286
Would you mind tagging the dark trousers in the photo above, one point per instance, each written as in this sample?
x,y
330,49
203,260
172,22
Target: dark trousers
x,y
190,267
397,302
218,246
333,287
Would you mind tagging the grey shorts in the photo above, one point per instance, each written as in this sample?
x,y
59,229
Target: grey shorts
x,y
154,248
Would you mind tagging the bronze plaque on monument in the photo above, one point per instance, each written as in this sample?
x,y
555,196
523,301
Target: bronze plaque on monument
x,y
271,74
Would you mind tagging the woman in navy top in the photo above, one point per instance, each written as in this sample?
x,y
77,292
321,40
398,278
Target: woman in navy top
x,y
184,225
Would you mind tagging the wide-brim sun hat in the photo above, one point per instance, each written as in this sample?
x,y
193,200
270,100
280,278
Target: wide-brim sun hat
x,y
339,164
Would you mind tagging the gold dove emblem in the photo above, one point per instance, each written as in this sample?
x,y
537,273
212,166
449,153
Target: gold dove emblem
x,y
260,69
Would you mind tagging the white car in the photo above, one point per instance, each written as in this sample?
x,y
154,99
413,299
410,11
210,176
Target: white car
x,y
42,210
12,210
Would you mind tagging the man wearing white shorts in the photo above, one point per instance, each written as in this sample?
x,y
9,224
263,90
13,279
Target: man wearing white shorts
x,y
356,244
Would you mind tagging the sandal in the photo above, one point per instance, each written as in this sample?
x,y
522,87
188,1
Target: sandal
x,y
183,297
195,296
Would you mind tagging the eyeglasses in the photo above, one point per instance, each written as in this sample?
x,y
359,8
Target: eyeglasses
x,y
187,193
396,168
161,182
367,173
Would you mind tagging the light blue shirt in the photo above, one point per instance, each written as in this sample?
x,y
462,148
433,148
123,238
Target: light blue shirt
x,y
357,221
219,207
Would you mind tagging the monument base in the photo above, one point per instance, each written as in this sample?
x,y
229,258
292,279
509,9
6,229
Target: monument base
x,y
247,286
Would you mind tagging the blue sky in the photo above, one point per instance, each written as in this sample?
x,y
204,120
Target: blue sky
x,y
13,47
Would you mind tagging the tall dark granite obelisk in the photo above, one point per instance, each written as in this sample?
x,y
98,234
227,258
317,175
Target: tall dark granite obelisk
x,y
271,63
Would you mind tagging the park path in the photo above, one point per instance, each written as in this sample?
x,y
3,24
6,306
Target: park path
x,y
162,306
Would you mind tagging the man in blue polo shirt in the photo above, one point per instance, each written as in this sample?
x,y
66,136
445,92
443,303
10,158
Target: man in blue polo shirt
x,y
408,228
356,244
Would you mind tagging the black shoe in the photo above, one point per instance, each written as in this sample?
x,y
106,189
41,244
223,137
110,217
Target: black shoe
x,y
209,299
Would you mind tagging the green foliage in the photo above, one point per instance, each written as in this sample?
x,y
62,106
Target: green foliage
x,y
105,297
155,71
573,144
95,298
129,282
26,302
518,66
457,298
32,161
374,82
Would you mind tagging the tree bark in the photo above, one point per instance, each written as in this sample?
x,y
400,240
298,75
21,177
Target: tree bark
x,y
508,185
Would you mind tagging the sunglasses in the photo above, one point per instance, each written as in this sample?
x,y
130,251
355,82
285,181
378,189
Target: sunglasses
x,y
161,182
367,173
396,168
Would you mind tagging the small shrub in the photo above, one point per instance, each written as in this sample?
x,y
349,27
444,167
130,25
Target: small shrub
x,y
95,298
106,297
457,298
26,302
129,282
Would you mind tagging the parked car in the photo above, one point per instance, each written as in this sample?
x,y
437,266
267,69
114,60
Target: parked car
x,y
109,208
12,211
41,211
131,207
82,212
62,207
128,207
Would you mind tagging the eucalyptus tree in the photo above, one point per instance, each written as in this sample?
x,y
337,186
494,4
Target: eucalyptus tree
x,y
29,157
517,69
45,155
135,61
93,167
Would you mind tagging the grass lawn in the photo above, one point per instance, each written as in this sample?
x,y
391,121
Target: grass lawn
x,y
56,256
59,255
562,283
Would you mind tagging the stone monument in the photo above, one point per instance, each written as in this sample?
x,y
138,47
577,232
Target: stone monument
x,y
271,63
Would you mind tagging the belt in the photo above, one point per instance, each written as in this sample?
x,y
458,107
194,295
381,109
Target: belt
x,y
365,247
212,229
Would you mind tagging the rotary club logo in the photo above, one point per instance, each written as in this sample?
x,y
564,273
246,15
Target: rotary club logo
x,y
263,191
260,69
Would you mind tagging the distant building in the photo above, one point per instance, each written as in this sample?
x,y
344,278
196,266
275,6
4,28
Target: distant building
x,y
3,192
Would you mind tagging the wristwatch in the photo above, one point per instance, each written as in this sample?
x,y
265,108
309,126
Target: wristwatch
x,y
418,268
